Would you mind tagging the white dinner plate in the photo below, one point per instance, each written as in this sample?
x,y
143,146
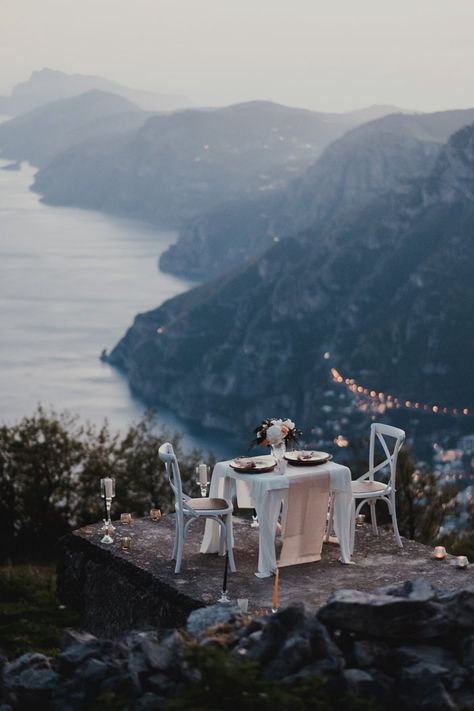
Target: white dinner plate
x,y
307,458
253,465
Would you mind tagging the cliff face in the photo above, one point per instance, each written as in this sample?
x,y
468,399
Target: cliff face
x,y
179,165
388,290
351,172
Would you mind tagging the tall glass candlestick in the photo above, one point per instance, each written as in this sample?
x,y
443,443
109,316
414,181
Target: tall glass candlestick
x,y
224,597
202,474
107,491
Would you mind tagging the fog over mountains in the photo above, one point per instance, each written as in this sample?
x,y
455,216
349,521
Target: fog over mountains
x,y
48,85
41,134
177,166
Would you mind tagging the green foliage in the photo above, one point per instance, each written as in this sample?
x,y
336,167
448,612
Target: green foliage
x,y
227,682
422,504
50,467
30,617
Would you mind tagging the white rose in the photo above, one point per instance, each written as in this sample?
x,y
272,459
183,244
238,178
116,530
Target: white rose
x,y
289,424
274,434
277,422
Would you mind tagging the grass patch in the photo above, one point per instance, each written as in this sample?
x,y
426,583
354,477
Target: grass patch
x,y
31,619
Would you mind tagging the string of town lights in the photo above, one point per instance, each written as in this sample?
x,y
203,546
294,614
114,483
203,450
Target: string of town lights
x,y
392,402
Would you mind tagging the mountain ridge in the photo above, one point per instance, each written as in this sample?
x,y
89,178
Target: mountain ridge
x,y
387,290
39,135
180,164
370,158
46,85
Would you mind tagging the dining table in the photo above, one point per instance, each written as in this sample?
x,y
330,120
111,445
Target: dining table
x,y
267,492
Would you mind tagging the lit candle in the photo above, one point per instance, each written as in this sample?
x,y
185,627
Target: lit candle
x,y
155,514
202,474
107,485
125,543
439,553
461,562
360,519
126,518
276,583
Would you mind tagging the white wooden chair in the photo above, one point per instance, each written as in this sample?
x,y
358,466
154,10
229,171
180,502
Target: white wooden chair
x,y
368,490
193,509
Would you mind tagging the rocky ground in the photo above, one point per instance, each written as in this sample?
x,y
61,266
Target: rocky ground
x,y
406,646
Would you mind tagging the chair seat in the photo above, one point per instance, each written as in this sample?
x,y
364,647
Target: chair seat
x,y
206,504
365,486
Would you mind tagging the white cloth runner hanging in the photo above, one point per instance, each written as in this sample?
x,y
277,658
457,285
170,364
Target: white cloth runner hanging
x,y
304,519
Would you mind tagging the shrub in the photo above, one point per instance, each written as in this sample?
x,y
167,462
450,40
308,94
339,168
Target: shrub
x,y
50,467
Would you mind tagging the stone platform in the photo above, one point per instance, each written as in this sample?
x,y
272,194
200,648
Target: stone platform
x,y
117,591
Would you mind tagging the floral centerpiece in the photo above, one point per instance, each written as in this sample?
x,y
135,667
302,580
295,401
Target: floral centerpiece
x,y
276,433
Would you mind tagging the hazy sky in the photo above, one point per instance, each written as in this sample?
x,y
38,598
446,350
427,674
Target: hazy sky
x,y
321,54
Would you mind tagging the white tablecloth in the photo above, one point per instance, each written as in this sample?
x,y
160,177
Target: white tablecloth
x,y
267,492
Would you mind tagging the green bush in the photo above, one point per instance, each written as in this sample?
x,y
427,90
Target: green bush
x,y
50,467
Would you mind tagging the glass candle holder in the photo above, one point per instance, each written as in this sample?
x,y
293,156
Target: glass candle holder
x,y
107,492
125,544
461,562
439,553
155,514
202,474
107,537
126,518
360,520
243,604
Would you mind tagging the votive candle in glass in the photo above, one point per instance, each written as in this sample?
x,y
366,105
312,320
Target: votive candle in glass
x,y
126,518
439,553
155,514
125,543
461,562
360,520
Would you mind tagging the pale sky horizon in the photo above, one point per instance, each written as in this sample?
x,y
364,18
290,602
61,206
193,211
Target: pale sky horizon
x,y
321,55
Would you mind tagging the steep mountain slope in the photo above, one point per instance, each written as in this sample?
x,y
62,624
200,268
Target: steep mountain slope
x,y
179,165
388,290
41,134
48,85
353,170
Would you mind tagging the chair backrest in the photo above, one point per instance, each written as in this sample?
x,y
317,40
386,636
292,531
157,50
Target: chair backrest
x,y
379,433
167,455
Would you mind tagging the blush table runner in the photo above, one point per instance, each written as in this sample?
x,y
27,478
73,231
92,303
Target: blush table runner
x,y
304,518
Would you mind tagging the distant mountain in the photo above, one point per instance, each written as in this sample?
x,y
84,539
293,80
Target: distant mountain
x,y
365,162
178,165
41,134
388,290
49,85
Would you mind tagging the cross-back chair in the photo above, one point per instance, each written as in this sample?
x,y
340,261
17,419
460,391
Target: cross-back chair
x,y
193,509
367,489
